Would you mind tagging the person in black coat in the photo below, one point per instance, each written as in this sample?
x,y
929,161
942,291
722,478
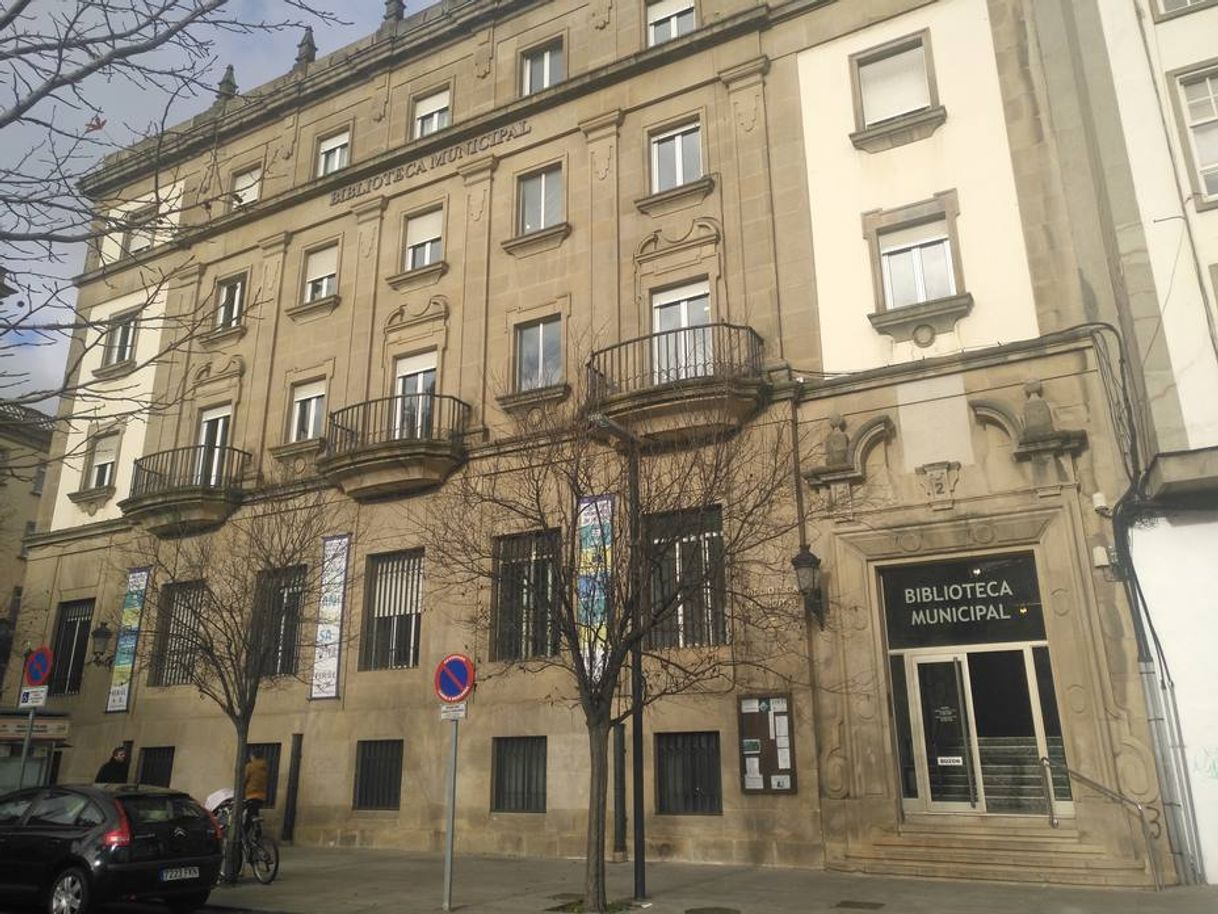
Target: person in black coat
x,y
114,771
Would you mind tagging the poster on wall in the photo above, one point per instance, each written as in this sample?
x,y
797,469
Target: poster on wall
x,y
595,523
121,673
993,598
767,750
331,601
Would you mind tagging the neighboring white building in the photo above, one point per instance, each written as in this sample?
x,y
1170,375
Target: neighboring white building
x,y
1164,58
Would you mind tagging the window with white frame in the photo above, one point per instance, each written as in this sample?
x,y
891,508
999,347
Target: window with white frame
x,y
119,345
308,410
541,200
140,233
916,264
893,82
1201,100
321,273
682,342
430,113
541,67
333,153
669,19
676,157
424,239
230,302
416,387
102,459
246,185
1174,6
393,611
539,354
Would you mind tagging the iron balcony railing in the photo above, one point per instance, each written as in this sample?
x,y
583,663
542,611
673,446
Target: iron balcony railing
x,y
201,466
408,417
711,351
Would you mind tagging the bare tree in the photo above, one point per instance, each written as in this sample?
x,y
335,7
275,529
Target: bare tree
x,y
569,570
236,611
62,65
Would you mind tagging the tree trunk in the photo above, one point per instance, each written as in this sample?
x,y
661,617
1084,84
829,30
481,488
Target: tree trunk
x,y
232,838
598,785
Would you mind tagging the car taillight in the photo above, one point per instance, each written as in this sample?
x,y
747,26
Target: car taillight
x,y
121,836
215,824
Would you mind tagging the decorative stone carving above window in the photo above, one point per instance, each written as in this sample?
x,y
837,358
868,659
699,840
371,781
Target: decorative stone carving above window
x,y
1036,438
846,460
90,500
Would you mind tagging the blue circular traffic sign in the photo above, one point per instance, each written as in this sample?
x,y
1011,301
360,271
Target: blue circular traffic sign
x,y
38,667
454,678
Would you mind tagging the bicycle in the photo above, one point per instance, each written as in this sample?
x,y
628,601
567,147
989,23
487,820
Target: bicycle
x,y
259,849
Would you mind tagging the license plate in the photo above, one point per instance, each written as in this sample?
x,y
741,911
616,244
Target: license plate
x,y
179,872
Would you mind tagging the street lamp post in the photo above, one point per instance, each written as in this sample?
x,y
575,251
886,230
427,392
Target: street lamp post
x,y
633,446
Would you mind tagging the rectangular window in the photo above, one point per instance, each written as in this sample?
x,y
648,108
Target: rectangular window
x,y
280,594
31,527
682,345
916,263
541,200
140,233
424,239
687,774
321,273
230,302
688,586
119,345
71,646
308,410
430,113
393,611
1174,6
669,19
156,766
893,82
215,467
518,774
539,354
181,605
676,157
526,575
246,185
1201,99
333,153
378,774
541,68
270,752
102,462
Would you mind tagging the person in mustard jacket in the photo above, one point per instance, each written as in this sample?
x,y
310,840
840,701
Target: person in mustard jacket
x,y
257,777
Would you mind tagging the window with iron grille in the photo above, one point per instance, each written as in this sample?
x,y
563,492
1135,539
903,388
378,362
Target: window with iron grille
x,y
378,774
280,593
393,611
71,646
156,766
526,573
688,586
687,774
270,752
181,605
518,778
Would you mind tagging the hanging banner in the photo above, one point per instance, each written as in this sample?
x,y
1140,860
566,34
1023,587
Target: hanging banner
x,y
128,637
595,523
326,650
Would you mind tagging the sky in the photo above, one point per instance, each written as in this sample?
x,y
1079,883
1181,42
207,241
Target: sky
x,y
256,59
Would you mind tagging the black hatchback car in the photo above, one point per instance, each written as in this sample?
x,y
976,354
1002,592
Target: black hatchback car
x,y
67,847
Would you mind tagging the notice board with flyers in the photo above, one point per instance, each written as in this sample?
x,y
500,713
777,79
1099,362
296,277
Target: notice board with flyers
x,y
767,745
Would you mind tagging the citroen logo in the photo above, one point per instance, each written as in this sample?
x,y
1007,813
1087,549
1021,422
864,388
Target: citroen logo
x,y
179,832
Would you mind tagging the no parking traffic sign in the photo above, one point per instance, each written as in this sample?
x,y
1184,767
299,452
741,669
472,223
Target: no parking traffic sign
x,y
38,667
454,678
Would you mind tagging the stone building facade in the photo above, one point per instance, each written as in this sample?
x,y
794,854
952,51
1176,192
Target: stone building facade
x,y
880,212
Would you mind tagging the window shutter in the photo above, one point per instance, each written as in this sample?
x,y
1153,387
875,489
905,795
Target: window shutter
x,y
245,185
894,85
666,8
334,142
424,227
308,391
431,104
913,235
105,450
322,263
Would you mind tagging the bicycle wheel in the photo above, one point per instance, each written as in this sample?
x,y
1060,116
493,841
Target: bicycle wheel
x,y
264,858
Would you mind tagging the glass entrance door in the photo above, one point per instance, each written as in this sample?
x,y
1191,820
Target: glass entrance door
x,y
947,751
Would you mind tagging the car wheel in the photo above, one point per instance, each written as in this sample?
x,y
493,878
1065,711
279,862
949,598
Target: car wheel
x,y
188,904
69,892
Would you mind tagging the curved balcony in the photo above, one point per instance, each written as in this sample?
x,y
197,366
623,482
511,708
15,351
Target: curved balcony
x,y
679,383
186,490
395,445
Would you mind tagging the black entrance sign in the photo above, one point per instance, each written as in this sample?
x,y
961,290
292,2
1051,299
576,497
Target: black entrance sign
x,y
963,601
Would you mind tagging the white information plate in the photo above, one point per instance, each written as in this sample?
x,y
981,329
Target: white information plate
x,y
453,711
33,697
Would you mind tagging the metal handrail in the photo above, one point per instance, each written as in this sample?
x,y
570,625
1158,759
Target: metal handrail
x,y
201,466
705,351
1048,765
424,417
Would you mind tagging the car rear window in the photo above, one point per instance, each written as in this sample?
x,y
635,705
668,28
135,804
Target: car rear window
x,y
153,810
58,809
12,808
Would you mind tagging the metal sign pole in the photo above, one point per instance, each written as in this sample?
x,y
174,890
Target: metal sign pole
x,y
25,749
452,809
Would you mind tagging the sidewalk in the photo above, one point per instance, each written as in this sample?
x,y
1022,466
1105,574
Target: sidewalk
x,y
317,880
